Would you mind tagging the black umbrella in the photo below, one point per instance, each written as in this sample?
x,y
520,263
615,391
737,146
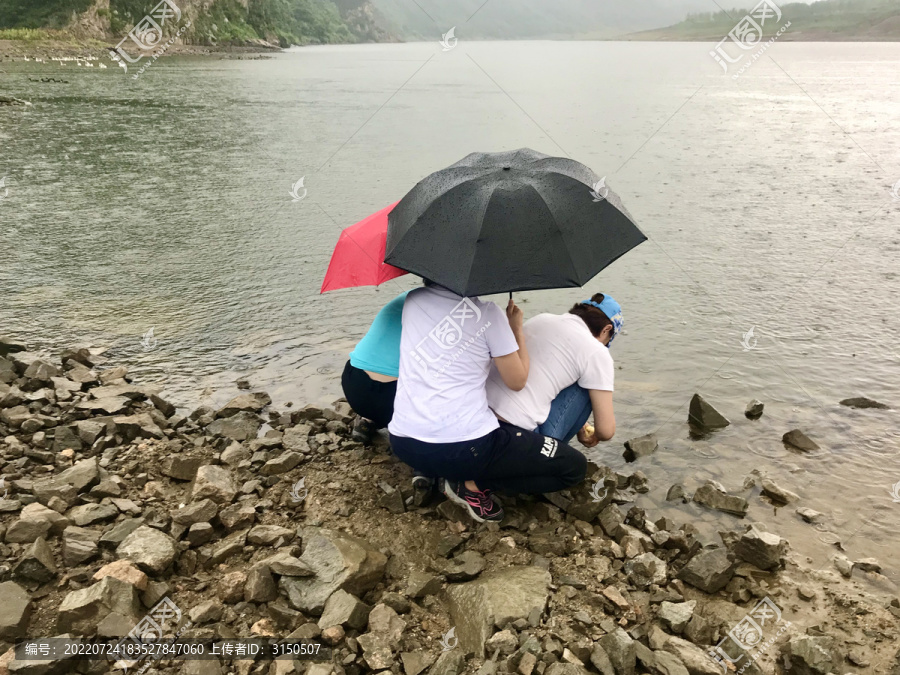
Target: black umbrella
x,y
509,221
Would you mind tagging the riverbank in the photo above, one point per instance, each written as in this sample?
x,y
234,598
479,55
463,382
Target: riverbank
x,y
261,522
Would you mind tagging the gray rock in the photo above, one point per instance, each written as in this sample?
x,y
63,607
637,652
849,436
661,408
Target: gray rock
x,y
82,475
611,520
296,439
245,402
16,604
110,406
281,464
35,521
65,438
465,566
711,496
151,550
195,512
260,585
200,533
646,569
181,467
415,662
287,565
497,598
797,439
79,545
344,609
36,564
238,516
843,565
267,535
377,651
88,514
863,402
754,410
206,612
868,565
809,515
601,661
213,482
339,560
694,659
116,534
776,493
675,493
676,615
810,655
642,446
163,406
82,610
449,663
701,414
620,649
385,621
710,570
560,668
763,549
419,584
240,427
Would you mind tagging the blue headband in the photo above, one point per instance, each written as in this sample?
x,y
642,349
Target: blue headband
x,y
613,312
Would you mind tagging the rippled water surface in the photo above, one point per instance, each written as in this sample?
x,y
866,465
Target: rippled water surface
x,y
164,203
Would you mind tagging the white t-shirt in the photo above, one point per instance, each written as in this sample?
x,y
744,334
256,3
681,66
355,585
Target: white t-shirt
x,y
446,346
562,351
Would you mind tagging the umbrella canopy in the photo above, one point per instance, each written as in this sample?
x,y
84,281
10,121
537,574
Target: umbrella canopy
x,y
358,255
509,221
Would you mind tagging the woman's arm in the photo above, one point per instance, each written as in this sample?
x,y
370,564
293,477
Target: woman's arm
x,y
513,368
604,419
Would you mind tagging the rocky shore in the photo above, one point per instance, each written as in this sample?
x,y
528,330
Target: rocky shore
x,y
252,522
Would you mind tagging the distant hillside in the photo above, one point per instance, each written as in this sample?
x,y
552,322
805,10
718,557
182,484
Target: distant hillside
x,y
827,20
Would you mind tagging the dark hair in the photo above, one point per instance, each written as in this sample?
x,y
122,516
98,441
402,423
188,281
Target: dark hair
x,y
428,282
595,319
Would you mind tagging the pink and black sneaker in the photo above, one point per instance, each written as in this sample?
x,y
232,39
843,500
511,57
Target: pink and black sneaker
x,y
480,504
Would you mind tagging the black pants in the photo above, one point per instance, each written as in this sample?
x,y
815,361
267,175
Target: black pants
x,y
508,459
369,398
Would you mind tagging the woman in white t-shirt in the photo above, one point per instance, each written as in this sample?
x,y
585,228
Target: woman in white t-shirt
x,y
442,424
571,374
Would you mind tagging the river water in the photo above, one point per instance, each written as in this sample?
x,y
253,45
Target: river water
x,y
164,203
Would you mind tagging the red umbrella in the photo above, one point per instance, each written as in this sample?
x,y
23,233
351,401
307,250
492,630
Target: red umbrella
x,y
358,257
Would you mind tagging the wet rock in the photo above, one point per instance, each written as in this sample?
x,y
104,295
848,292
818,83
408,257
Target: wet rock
x,y
863,402
36,564
642,446
245,402
339,560
843,565
809,515
710,570
344,609
702,415
646,569
676,615
240,427
467,565
762,549
497,598
800,441
754,410
810,655
675,493
16,604
213,482
713,496
620,649
151,550
82,610
868,565
79,545
776,493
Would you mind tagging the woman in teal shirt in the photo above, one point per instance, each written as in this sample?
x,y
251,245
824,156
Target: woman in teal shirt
x,y
370,376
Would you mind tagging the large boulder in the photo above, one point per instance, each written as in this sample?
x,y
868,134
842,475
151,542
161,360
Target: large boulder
x,y
642,446
241,426
82,610
339,561
496,599
709,570
702,415
151,550
809,655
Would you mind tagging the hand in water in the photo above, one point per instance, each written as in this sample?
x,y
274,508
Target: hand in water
x,y
586,436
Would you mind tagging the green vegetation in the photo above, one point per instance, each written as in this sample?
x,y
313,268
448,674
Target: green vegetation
x,y
40,13
25,34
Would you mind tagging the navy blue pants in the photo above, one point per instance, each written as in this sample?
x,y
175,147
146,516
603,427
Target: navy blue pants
x,y
508,459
